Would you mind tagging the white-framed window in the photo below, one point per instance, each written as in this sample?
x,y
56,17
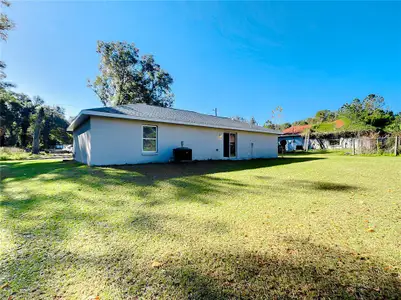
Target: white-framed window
x,y
149,139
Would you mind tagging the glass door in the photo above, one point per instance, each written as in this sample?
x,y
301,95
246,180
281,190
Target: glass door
x,y
230,145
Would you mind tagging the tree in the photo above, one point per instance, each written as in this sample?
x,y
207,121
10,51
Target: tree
x,y
54,127
126,78
395,126
3,84
277,114
239,118
18,113
301,122
6,115
5,23
370,111
253,121
325,116
27,109
36,133
269,124
353,110
285,126
275,119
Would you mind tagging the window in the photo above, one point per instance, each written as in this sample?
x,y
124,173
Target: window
x,y
149,138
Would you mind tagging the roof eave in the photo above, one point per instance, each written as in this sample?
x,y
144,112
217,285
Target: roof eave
x,y
77,120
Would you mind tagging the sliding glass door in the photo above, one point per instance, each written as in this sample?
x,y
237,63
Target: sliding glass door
x,y
230,145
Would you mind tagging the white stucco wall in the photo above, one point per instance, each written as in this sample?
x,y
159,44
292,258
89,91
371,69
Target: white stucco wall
x,y
82,143
117,141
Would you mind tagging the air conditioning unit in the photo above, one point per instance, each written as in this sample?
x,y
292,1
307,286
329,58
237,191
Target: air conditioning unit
x,y
182,154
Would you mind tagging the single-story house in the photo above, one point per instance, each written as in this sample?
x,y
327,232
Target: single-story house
x,y
140,133
293,137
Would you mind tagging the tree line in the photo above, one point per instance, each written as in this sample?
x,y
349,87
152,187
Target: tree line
x,y
30,123
24,121
371,113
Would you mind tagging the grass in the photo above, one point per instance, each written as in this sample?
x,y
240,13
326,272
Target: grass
x,y
14,153
313,226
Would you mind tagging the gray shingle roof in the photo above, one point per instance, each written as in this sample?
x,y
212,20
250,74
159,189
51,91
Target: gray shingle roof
x,y
177,116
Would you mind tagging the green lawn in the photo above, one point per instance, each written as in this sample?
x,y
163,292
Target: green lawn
x,y
314,226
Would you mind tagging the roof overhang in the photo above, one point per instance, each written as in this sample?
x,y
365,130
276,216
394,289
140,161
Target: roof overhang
x,y
85,114
291,135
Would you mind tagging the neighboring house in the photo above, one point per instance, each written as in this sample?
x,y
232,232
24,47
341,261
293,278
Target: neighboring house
x,y
140,133
293,137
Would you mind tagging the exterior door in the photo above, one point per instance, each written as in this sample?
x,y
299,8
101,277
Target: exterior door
x,y
230,145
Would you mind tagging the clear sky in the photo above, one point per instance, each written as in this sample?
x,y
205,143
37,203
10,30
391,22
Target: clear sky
x,y
244,58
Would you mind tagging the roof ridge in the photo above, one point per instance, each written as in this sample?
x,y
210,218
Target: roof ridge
x,y
173,108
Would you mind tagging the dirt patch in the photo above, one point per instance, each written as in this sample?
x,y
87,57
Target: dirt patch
x,y
339,123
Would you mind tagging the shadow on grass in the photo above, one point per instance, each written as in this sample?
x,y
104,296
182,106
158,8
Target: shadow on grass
x,y
191,181
314,185
305,270
145,173
173,170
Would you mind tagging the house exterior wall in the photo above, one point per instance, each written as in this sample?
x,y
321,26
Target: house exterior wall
x,y
292,142
118,141
82,143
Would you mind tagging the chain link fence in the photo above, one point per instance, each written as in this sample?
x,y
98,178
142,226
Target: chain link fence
x,y
360,145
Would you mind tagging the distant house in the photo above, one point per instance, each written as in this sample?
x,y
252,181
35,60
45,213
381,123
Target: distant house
x,y
140,133
293,137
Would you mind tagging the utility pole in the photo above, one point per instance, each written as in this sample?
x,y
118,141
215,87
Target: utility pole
x,y
215,111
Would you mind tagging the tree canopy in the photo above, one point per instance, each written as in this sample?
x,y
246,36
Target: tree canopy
x,y
370,113
126,78
5,23
18,115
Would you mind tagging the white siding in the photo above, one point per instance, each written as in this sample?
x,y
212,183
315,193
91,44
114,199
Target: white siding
x,y
82,143
117,141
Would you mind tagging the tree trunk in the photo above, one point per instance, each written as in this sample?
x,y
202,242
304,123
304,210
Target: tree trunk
x,y
36,132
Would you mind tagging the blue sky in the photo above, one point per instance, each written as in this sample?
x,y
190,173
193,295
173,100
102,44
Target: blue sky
x,y
245,58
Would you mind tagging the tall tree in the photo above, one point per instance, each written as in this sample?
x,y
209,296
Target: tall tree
x,y
54,127
275,119
36,133
5,23
3,84
126,78
370,111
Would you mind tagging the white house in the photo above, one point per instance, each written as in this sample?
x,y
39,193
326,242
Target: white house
x,y
140,133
